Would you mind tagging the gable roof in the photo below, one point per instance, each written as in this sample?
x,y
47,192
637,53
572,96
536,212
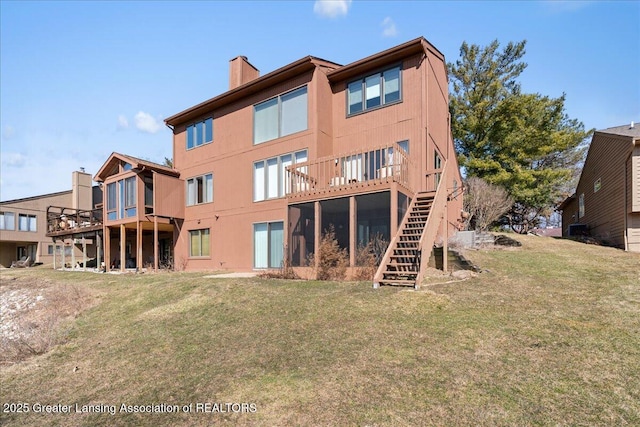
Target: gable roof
x,y
135,163
393,54
624,130
41,196
281,74
336,72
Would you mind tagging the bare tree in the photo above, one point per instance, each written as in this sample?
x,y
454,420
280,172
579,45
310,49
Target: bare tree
x,y
485,203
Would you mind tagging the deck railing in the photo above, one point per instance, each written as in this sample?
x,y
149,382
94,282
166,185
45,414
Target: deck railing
x,y
61,220
369,166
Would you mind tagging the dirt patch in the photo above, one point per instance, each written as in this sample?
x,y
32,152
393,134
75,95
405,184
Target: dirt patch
x,y
35,314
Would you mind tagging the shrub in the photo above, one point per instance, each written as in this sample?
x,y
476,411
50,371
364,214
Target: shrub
x,y
333,260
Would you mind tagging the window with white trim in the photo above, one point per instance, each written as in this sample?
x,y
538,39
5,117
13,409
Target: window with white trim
x,y
200,133
200,190
581,205
270,175
280,116
374,91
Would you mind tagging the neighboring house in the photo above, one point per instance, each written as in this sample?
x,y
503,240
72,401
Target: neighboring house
x,y
606,204
24,225
274,161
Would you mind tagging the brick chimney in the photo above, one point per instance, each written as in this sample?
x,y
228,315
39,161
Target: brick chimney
x,y
241,72
81,191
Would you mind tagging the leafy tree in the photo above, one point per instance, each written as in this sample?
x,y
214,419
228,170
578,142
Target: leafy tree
x,y
522,142
168,162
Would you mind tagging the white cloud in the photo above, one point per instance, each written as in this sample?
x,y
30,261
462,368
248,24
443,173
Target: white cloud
x,y
331,8
389,27
146,122
123,123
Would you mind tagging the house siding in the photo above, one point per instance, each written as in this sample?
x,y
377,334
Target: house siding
x,y
605,210
231,156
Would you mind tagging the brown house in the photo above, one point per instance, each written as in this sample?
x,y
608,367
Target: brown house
x,y
606,204
26,229
270,164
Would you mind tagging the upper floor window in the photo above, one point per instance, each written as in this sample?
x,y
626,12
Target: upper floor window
x,y
200,133
200,190
581,205
280,116
27,222
374,91
7,221
270,176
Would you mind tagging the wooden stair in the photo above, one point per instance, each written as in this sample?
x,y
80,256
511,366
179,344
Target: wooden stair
x,y
402,266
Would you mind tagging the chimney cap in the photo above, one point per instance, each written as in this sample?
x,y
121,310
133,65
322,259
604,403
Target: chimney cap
x,y
632,125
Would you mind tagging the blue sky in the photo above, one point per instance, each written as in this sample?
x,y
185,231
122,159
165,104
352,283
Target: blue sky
x,y
82,79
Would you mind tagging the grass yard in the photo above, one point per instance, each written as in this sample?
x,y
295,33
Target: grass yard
x,y
549,335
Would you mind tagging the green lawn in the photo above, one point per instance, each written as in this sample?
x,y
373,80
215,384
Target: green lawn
x,y
548,335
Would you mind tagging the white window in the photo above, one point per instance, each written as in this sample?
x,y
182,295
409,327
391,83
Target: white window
x,y
200,190
581,205
280,116
270,176
7,221
27,222
379,89
268,244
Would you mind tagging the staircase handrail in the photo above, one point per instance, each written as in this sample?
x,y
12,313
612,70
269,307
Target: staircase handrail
x,y
434,219
377,278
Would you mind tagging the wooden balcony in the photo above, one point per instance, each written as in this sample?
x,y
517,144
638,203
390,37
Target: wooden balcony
x,y
67,221
352,173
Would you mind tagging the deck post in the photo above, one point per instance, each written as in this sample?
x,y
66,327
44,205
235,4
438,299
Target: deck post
x,y
155,243
84,253
107,249
98,250
73,253
139,264
317,232
353,215
123,247
393,227
64,261
55,246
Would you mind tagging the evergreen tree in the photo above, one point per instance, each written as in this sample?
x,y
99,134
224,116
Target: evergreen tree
x,y
522,142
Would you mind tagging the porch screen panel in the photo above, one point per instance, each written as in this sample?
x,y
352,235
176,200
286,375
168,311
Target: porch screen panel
x,y
260,245
272,178
258,181
276,244
294,112
265,121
